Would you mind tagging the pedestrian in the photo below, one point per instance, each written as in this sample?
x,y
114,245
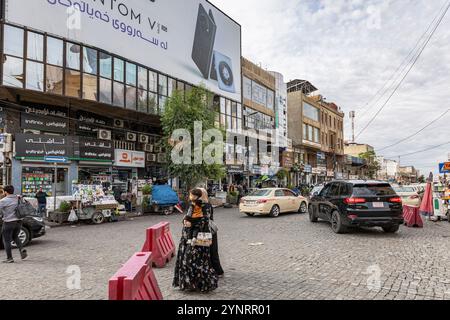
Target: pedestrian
x,y
215,260
11,224
193,270
41,197
240,191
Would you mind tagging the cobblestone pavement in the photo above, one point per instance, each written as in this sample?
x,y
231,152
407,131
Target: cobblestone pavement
x,y
294,260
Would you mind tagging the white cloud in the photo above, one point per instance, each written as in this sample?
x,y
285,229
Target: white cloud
x,y
348,49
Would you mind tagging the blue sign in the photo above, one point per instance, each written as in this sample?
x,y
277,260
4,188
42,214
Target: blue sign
x,y
308,169
441,168
56,159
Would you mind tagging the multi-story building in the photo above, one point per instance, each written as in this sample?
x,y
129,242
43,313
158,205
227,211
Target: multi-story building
x,y
356,166
89,90
389,169
408,174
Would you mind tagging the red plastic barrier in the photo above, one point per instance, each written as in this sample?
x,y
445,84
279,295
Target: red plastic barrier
x,y
412,217
160,243
135,280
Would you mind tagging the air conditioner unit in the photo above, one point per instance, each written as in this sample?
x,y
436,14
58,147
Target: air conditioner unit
x,y
148,148
104,134
161,157
143,138
119,123
131,136
156,149
29,131
151,157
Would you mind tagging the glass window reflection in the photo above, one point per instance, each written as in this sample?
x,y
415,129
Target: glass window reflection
x,y
105,65
35,47
142,100
73,83
142,78
119,67
105,91
13,41
162,85
35,76
152,103
131,74
89,87
12,72
90,60
54,80
153,83
130,98
55,49
73,54
118,94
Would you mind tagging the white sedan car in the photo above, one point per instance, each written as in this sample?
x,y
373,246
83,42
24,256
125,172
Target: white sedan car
x,y
272,202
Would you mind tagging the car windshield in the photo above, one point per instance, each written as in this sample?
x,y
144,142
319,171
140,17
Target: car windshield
x,y
373,190
259,193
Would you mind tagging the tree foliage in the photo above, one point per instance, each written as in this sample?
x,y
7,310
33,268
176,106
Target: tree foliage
x,y
372,166
181,111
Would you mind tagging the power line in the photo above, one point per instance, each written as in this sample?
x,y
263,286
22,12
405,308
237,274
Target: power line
x,y
416,133
404,62
420,151
407,73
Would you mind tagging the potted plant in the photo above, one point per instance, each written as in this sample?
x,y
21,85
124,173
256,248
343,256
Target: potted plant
x,y
62,214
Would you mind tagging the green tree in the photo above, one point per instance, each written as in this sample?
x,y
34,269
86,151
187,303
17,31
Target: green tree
x,y
181,111
422,179
372,166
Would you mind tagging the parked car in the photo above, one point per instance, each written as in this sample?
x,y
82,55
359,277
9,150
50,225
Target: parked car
x,y
316,190
32,227
357,203
410,195
272,202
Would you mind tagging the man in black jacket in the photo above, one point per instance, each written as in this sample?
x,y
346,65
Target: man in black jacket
x,y
41,197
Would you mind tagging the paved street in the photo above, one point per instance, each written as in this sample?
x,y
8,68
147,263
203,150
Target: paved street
x,y
294,259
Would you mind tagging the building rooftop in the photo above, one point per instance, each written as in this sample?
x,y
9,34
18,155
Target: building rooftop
x,y
301,85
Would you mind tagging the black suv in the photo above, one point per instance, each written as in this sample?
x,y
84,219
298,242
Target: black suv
x,y
357,204
32,228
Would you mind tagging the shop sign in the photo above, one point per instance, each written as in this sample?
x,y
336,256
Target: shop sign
x,y
44,123
44,110
127,158
30,145
235,168
255,169
308,169
287,160
444,167
90,122
330,173
315,171
94,149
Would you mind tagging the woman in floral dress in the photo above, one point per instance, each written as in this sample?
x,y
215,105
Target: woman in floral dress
x,y
193,270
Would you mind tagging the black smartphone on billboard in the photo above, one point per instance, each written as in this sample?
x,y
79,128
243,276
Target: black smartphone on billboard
x,y
205,34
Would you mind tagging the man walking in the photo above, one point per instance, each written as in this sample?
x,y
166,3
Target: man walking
x,y
11,224
41,197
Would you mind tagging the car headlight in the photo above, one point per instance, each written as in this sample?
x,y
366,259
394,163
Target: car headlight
x,y
38,219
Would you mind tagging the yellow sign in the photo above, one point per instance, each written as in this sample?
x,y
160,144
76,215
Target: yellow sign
x,y
447,166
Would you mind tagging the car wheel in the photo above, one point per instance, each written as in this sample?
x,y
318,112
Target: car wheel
x,y
275,211
98,218
250,214
303,208
312,215
24,236
391,229
336,223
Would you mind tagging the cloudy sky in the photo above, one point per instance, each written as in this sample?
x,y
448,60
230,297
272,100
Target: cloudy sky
x,y
349,49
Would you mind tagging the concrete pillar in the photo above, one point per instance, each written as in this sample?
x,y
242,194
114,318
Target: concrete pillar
x,y
16,176
72,176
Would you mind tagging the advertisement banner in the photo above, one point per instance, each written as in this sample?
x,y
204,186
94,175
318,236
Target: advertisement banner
x,y
131,159
94,149
31,145
187,39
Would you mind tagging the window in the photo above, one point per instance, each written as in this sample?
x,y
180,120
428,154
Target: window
x,y
90,61
153,82
142,78
152,103
90,87
54,80
172,86
55,51
118,94
73,56
13,72
35,48
279,193
105,65
162,85
13,41
247,88
334,190
316,135
162,104
35,76
310,112
130,98
288,193
373,190
310,133
259,94
270,99
142,100
73,82
346,190
119,70
105,91
131,74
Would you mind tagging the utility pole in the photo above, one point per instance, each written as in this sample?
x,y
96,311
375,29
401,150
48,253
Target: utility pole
x,y
352,116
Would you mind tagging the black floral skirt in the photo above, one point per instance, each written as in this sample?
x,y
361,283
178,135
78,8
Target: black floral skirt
x,y
193,270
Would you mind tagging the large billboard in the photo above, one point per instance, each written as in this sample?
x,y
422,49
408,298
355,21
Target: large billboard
x,y
187,39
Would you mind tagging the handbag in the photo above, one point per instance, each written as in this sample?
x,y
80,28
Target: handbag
x,y
24,209
204,239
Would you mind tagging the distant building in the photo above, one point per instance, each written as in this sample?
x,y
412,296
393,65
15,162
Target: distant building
x,y
389,169
408,174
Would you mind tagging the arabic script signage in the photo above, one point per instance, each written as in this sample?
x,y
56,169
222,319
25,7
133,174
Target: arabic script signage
x,y
44,123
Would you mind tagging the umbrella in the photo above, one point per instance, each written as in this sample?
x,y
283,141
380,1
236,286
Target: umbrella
x,y
426,207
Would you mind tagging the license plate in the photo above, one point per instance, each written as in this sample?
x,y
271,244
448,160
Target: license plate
x,y
250,202
378,204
